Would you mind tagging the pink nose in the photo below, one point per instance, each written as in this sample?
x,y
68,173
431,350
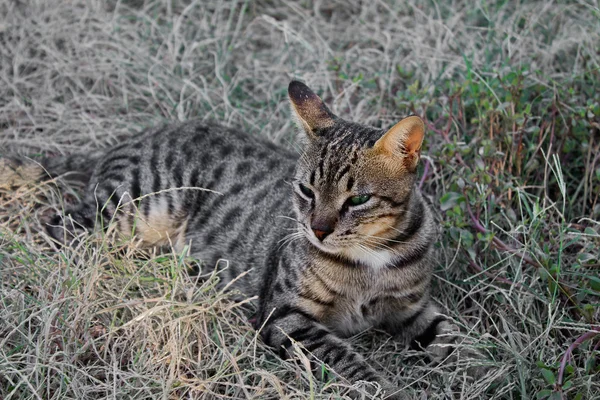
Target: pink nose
x,y
321,234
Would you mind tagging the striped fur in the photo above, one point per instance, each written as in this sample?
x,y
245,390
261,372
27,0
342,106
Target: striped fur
x,y
263,211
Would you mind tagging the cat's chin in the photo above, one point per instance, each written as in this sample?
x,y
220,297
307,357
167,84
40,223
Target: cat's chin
x,y
323,247
373,258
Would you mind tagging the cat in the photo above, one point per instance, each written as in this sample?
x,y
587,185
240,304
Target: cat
x,y
336,241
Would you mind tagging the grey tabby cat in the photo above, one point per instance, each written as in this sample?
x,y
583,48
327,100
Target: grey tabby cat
x,y
337,241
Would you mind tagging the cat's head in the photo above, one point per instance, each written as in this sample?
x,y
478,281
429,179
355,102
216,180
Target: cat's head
x,y
353,182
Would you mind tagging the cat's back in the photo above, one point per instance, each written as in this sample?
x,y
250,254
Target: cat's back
x,y
198,144
196,179
185,155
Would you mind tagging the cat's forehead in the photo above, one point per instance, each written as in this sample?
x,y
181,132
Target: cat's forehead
x,y
336,155
342,143
345,134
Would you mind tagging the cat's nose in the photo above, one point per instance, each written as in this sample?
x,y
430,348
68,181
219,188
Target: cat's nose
x,y
321,232
323,224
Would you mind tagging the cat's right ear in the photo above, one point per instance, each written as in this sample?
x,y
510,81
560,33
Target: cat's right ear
x,y
309,110
404,140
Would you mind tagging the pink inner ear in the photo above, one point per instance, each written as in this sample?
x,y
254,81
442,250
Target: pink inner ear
x,y
412,144
405,137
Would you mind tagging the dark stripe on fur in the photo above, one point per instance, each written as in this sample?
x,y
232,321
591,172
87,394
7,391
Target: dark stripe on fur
x,y
325,284
411,320
415,223
428,335
416,255
315,299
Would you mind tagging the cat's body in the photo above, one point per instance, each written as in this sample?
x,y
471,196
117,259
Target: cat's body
x,y
336,240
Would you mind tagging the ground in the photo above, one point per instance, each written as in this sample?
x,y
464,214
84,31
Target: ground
x,y
510,92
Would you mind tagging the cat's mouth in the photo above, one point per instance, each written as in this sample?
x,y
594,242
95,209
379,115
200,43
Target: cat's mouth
x,y
325,245
355,251
331,246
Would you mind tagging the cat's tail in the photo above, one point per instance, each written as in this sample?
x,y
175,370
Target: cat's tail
x,y
19,171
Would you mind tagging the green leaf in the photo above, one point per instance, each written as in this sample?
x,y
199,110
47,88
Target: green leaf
x,y
586,258
569,369
467,238
414,87
567,385
450,199
552,286
542,394
595,283
472,253
549,376
555,396
590,364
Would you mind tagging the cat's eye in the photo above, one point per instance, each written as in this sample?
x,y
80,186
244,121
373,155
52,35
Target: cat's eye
x,y
358,200
306,191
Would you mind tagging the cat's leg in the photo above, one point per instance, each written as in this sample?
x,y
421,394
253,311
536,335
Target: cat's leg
x,y
102,204
95,211
288,324
70,226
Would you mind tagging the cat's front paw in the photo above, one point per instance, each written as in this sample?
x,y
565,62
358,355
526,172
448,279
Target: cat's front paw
x,y
450,347
64,230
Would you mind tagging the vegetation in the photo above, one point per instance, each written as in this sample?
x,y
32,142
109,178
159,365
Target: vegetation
x,y
511,93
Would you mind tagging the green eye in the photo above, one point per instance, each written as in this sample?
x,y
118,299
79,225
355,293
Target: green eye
x,y
358,200
306,191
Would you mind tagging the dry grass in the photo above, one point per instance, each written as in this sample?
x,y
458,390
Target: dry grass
x,y
102,320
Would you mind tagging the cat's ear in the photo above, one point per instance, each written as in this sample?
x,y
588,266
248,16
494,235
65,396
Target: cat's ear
x,y
310,111
404,140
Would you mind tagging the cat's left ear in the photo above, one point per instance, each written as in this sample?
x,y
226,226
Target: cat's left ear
x,y
310,111
404,140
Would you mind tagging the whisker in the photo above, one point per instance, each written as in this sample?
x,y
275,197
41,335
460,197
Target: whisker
x,y
396,229
368,250
372,253
290,218
292,229
379,246
290,238
286,237
385,239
